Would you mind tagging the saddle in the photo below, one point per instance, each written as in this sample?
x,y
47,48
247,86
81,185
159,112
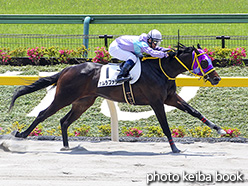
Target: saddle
x,y
110,71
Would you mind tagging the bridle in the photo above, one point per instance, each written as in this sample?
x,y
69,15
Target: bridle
x,y
204,74
195,64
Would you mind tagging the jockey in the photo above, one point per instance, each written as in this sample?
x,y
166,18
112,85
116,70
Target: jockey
x,y
128,48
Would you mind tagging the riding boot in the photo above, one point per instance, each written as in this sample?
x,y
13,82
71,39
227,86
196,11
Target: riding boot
x,y
124,73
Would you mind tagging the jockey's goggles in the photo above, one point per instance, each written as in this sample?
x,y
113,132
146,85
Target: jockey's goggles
x,y
157,42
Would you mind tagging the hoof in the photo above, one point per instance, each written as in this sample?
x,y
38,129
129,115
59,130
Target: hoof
x,y
4,147
176,150
16,133
221,132
174,147
65,149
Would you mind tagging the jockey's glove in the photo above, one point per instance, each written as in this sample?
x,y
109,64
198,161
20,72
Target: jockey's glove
x,y
171,54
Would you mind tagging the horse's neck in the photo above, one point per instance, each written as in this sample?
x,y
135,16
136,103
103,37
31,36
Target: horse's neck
x,y
173,67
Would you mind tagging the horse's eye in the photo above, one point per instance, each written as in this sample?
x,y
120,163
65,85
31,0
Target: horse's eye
x,y
204,64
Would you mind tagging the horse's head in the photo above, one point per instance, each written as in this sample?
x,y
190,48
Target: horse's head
x,y
201,64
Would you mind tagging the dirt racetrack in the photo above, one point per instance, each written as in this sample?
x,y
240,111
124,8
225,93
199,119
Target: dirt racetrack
x,y
31,163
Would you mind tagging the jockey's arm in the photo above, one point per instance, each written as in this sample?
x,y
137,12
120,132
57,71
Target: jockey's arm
x,y
154,53
162,49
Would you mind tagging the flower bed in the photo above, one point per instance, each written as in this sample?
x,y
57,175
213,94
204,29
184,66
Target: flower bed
x,y
42,56
52,56
221,57
102,56
105,130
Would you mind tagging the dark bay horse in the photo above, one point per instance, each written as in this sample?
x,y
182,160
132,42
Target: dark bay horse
x,y
77,85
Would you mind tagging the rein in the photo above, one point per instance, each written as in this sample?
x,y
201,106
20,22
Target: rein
x,y
160,65
194,60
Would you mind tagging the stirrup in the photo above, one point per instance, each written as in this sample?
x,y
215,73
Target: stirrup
x,y
123,79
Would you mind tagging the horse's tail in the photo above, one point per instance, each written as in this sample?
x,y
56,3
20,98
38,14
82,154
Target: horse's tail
x,y
37,85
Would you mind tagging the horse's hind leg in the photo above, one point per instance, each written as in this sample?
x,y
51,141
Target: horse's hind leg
x,y
60,101
78,108
179,103
49,111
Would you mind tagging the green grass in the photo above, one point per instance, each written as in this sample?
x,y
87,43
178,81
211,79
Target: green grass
x,y
125,7
226,107
122,6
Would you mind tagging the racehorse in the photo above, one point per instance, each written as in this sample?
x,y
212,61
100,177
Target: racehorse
x,y
77,85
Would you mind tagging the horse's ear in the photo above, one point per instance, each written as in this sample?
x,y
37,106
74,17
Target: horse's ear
x,y
196,51
198,46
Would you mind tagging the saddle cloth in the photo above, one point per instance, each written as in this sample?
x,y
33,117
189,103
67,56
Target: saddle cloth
x,y
110,71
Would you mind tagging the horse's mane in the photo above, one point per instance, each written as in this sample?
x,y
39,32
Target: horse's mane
x,y
183,49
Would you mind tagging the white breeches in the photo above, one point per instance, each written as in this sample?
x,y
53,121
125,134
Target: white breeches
x,y
120,54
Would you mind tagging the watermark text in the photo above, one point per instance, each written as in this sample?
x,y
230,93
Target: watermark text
x,y
197,176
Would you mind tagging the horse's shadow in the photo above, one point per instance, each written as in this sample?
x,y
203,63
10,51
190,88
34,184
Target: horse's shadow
x,y
82,151
12,146
79,150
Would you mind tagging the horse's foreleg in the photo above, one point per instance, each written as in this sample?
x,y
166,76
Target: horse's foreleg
x,y
179,103
160,114
78,108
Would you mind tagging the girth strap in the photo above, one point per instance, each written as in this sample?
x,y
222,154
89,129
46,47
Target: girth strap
x,y
128,93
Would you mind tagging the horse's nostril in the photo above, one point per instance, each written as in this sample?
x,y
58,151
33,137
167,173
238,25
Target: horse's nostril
x,y
217,79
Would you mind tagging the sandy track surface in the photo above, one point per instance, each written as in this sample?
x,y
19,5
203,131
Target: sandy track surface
x,y
30,162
